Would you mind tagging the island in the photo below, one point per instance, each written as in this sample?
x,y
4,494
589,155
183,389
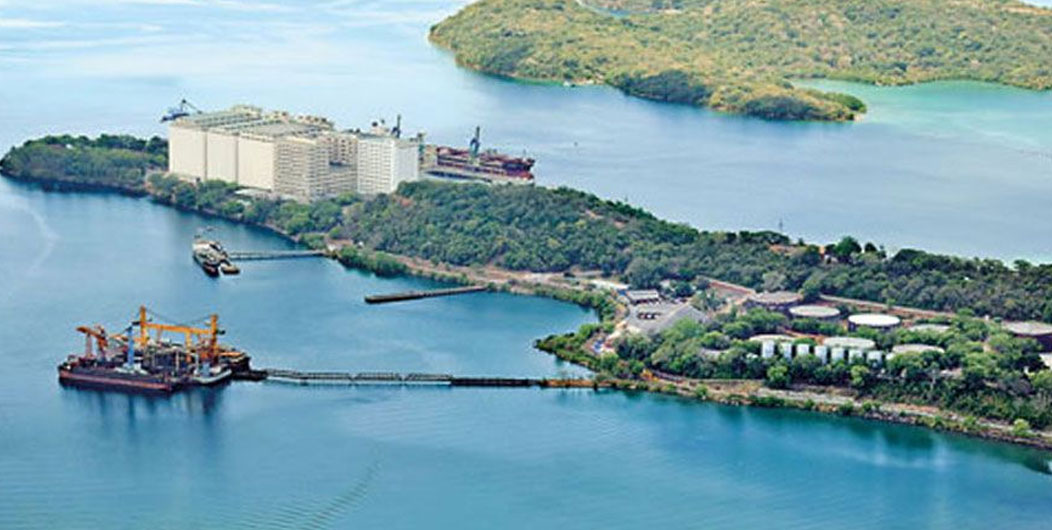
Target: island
x,y
742,56
729,304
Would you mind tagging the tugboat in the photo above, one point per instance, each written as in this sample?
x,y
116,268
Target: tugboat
x,y
212,257
206,256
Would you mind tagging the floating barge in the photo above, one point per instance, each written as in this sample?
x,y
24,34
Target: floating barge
x,y
138,362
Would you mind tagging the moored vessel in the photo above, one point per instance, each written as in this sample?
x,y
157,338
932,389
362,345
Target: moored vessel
x,y
141,362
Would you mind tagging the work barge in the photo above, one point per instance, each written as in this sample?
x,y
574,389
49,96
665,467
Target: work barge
x,y
141,359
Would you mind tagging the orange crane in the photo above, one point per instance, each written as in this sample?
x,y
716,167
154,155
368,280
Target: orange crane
x,y
207,338
100,337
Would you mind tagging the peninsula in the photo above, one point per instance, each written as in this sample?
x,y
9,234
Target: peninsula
x,y
740,56
954,367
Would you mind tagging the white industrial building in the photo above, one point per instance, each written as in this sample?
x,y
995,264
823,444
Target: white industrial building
x,y
302,157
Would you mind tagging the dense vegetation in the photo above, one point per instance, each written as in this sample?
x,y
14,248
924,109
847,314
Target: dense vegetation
x,y
739,55
1004,380
539,229
562,230
113,162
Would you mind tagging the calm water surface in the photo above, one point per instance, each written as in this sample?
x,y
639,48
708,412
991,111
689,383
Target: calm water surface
x,y
267,455
955,167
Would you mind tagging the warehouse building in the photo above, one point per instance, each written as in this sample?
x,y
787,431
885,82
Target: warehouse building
x,y
300,157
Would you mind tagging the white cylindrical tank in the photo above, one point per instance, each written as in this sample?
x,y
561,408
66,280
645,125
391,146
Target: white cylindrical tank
x,y
803,349
767,350
839,354
822,353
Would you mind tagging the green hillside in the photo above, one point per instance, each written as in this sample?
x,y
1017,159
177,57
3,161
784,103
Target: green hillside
x,y
739,55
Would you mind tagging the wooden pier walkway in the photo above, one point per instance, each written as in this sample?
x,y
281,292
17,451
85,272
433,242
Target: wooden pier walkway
x,y
416,295
392,378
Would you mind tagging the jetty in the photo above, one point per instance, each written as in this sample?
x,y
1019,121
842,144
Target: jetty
x,y
416,295
418,379
250,255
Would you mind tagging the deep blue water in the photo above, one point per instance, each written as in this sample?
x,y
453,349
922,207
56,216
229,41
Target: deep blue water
x,y
268,455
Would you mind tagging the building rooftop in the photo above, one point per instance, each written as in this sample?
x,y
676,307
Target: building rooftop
x,y
851,343
642,295
874,320
776,298
1029,329
814,311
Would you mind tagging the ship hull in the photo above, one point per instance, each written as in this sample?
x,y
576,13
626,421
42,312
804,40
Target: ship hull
x,y
210,268
114,381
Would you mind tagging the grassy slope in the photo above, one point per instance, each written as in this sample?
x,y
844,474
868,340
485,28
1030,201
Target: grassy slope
x,y
737,55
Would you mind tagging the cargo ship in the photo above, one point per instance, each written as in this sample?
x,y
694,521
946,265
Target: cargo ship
x,y
474,164
141,362
210,255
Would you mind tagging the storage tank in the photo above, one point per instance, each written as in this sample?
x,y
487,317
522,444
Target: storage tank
x,y
779,301
1039,331
803,349
838,353
767,349
822,352
877,321
858,343
824,313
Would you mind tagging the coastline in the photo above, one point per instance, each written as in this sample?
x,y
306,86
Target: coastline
x,y
523,41
737,392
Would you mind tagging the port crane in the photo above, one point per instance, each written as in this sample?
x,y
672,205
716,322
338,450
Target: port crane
x,y
183,109
207,339
99,335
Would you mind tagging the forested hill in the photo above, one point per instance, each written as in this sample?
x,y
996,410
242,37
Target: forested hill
x,y
541,229
739,55
117,162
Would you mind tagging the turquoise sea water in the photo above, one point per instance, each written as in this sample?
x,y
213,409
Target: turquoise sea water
x,y
953,167
266,455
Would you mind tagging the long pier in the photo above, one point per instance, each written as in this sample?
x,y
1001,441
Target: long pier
x,y
392,378
249,255
416,295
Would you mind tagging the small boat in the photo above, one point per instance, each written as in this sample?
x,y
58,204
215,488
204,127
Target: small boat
x,y
229,268
207,375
